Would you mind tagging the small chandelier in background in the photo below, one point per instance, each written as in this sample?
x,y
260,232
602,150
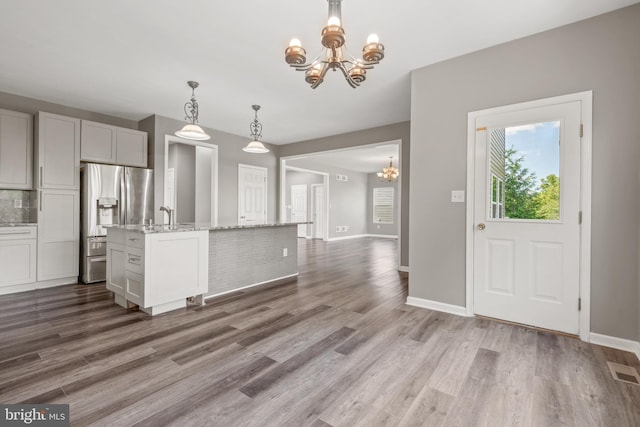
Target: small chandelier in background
x,y
192,130
255,146
334,54
389,173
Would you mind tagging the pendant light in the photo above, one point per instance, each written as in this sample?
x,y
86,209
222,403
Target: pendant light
x,y
255,146
192,130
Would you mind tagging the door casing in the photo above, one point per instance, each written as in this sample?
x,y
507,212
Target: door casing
x,y
586,100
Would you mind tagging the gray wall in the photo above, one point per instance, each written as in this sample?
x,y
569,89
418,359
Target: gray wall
x,y
347,199
599,54
397,131
185,158
230,154
381,229
32,106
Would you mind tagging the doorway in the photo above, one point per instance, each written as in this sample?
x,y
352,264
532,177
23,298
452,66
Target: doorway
x,y
528,243
252,194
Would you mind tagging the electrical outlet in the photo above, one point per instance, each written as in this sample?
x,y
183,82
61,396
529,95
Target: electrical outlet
x,y
457,196
285,252
17,203
345,228
338,229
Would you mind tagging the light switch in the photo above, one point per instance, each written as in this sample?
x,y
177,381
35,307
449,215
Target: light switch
x,y
457,196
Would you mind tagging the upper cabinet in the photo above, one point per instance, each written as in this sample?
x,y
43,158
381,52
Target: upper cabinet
x,y
111,144
97,142
57,152
16,150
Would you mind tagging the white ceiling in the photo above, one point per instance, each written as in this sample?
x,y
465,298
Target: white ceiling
x,y
132,58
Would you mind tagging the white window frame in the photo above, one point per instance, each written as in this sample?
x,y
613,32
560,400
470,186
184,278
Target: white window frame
x,y
375,218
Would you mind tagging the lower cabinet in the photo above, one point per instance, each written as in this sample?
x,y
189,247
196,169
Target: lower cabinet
x,y
17,257
157,271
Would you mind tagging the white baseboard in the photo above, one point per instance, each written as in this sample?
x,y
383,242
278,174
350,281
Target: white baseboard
x,y
355,236
382,236
25,287
615,342
437,306
404,268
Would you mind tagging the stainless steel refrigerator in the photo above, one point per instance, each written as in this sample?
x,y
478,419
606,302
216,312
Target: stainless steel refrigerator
x,y
109,195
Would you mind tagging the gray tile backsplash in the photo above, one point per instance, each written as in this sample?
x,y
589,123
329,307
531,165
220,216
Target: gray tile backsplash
x,y
10,213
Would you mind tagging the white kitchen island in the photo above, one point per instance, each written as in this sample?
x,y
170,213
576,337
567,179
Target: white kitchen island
x,y
158,267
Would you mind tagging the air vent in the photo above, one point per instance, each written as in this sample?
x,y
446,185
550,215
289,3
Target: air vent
x,y
624,373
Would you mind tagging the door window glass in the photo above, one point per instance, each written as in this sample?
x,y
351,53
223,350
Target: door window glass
x,y
525,172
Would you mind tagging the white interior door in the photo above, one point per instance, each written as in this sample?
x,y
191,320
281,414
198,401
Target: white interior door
x,y
526,236
252,194
299,207
318,226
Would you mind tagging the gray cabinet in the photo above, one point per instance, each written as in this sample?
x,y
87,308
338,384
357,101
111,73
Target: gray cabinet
x,y
103,143
16,150
57,152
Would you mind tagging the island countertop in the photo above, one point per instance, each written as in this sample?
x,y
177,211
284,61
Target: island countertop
x,y
160,228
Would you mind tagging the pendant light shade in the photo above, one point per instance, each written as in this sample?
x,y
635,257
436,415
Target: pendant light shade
x,y
192,130
255,146
195,132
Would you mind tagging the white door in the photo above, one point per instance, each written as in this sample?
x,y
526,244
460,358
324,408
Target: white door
x,y
299,207
526,241
317,191
252,194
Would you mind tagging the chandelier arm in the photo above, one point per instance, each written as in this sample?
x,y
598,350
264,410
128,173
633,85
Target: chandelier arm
x,y
354,84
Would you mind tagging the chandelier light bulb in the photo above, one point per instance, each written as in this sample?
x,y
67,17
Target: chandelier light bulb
x,y
373,38
295,43
334,21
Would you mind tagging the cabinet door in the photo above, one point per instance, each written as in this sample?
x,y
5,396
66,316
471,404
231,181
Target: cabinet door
x,y
58,146
97,142
16,150
58,234
116,280
17,262
131,148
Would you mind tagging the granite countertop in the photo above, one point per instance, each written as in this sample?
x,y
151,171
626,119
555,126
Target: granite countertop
x,y
19,224
160,228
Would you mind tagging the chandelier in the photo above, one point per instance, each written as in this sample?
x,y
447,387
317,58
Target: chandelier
x,y
255,146
334,55
390,173
192,130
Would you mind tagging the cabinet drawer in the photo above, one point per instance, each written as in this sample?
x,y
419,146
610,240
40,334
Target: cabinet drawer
x,y
134,291
134,260
134,239
18,233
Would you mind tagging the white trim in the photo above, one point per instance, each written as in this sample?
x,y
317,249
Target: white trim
x,y
615,342
251,286
404,268
458,310
586,100
382,236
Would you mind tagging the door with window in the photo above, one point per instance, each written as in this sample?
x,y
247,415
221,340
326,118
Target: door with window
x,y
252,194
526,236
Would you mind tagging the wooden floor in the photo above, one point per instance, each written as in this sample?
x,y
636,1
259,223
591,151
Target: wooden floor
x,y
337,347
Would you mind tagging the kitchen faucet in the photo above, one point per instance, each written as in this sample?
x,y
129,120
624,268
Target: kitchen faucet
x,y
170,212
